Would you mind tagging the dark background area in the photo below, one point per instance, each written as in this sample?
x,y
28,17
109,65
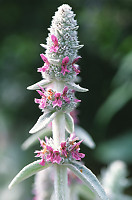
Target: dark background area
x,y
106,69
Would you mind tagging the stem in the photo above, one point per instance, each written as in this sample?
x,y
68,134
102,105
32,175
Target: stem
x,y
58,128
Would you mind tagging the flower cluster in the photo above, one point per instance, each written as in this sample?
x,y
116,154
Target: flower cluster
x,y
68,149
65,70
53,100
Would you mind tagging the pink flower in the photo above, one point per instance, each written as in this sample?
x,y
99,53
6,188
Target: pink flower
x,y
63,149
41,154
55,47
75,151
64,65
42,162
64,94
57,101
75,68
50,155
77,100
57,157
76,155
46,66
42,101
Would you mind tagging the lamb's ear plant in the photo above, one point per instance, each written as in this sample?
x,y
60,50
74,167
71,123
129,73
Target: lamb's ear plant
x,y
57,92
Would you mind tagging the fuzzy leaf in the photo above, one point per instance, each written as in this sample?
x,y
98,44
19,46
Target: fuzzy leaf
x,y
43,121
76,87
69,123
28,171
78,47
42,83
33,139
115,102
84,135
43,45
88,178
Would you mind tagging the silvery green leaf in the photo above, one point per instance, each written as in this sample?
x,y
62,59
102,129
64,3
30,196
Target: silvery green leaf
x,y
78,47
84,135
69,123
42,83
28,171
76,87
33,139
43,45
88,178
43,121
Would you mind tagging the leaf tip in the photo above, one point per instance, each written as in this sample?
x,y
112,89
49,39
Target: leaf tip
x,y
29,88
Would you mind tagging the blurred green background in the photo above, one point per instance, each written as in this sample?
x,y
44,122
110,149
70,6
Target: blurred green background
x,y
106,69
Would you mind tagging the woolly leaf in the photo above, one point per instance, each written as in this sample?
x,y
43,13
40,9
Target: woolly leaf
x,y
84,135
33,139
28,171
88,178
42,83
76,87
43,45
43,121
69,123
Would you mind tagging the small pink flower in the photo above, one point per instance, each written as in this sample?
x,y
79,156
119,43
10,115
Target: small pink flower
x,y
77,100
57,101
42,101
46,66
64,65
57,157
50,155
63,149
41,154
42,162
75,68
76,60
75,151
77,156
64,94
55,47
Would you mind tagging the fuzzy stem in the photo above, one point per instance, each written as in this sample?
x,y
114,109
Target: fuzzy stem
x,y
58,128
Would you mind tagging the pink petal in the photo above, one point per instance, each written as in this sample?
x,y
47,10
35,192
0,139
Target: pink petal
x,y
77,100
40,93
42,162
65,90
54,39
65,60
44,58
76,60
37,100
